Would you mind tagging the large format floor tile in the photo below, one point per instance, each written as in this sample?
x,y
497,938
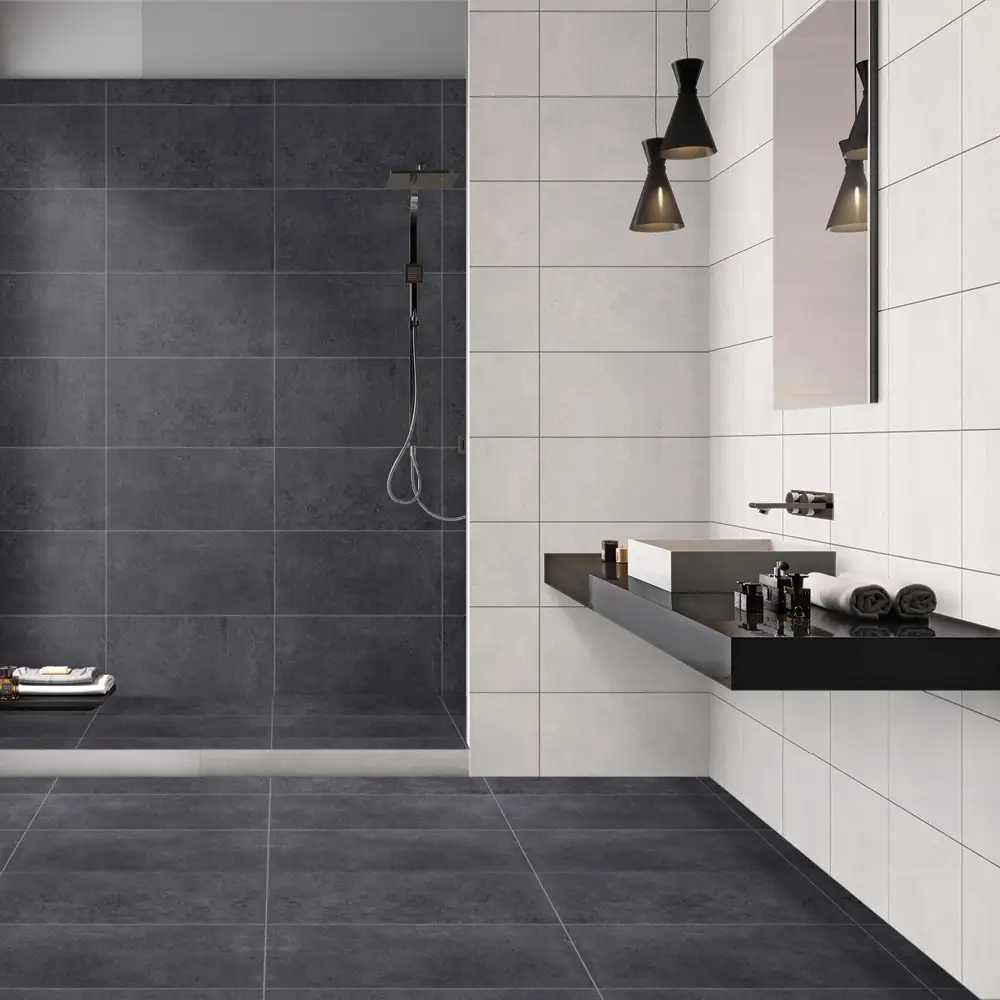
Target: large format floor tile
x,y
153,812
386,812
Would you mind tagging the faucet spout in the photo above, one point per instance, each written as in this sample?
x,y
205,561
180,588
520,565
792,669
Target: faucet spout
x,y
804,503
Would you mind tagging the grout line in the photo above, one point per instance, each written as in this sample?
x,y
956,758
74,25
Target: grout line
x,y
267,890
274,433
28,827
93,717
538,435
441,411
107,494
541,886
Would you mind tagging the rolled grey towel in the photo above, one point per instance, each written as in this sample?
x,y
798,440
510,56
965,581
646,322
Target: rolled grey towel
x,y
909,600
871,632
48,675
849,595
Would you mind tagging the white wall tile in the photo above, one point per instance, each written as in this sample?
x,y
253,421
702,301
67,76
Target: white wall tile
x,y
980,530
761,481
585,224
725,373
503,730
861,488
503,649
503,4
581,479
946,581
586,536
726,492
726,746
504,217
765,707
806,466
503,54
597,54
925,759
762,787
981,925
925,365
725,294
624,395
806,720
981,215
911,21
928,78
981,785
925,232
623,309
980,74
672,46
503,479
725,40
757,79
503,395
503,138
859,841
595,138
859,736
925,496
815,420
499,565
758,413
866,417
981,598
597,5
581,651
985,702
861,562
761,25
806,818
794,9
624,734
925,888
980,358
503,309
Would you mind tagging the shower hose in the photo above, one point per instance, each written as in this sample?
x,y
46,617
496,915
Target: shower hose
x,y
409,449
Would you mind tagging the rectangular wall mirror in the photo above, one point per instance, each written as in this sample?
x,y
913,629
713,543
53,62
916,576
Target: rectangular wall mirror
x,y
825,209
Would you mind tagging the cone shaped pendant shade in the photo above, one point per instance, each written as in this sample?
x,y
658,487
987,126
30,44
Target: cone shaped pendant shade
x,y
850,210
657,210
688,136
857,141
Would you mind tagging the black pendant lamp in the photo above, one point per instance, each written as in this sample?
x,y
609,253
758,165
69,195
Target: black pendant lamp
x,y
657,210
688,136
857,141
850,210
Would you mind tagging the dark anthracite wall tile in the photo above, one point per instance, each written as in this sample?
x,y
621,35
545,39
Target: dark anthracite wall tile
x,y
52,315
454,339
190,230
371,227
348,573
454,141
227,658
190,402
355,315
454,400
455,500
51,91
190,572
52,230
454,230
169,146
325,403
453,674
52,488
51,572
454,572
190,315
51,147
190,91
37,642
358,656
354,147
190,488
344,488
454,91
51,403
358,91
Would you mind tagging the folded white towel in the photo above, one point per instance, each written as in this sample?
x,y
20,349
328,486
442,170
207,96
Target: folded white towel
x,y
56,675
849,595
909,600
102,685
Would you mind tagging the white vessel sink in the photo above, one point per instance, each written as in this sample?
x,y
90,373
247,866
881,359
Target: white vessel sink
x,y
716,565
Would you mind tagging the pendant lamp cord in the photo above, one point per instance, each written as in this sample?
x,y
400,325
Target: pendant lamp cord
x,y
656,71
854,72
687,21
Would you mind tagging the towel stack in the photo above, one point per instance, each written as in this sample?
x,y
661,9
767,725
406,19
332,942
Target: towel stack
x,y
872,598
62,681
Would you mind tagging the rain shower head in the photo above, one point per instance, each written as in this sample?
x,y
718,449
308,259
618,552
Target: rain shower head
x,y
421,180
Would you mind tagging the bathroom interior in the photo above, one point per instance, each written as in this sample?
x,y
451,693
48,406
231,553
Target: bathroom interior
x,y
671,325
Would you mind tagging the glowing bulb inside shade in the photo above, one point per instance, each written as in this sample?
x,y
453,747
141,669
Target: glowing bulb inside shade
x,y
857,197
659,196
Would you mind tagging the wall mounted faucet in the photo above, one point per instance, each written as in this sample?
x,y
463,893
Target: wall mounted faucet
x,y
803,503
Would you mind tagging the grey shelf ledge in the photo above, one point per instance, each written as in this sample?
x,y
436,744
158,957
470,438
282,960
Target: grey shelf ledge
x,y
839,654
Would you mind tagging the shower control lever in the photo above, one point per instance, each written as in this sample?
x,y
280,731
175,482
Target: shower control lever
x,y
804,503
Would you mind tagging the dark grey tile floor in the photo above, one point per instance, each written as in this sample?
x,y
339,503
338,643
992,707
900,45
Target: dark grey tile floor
x,y
424,889
286,723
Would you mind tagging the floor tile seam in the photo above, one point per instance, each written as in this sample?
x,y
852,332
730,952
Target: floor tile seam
x,y
449,924
26,829
267,892
864,928
541,885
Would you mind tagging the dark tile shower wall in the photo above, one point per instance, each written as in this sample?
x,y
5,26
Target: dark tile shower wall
x,y
203,382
